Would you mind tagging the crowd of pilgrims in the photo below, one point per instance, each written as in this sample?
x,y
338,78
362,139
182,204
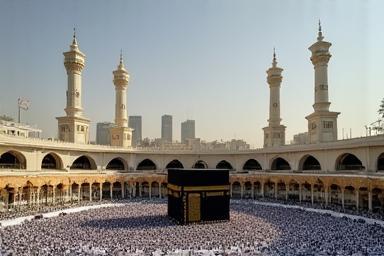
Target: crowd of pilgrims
x,y
142,228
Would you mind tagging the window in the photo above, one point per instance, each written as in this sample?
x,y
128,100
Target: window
x,y
328,124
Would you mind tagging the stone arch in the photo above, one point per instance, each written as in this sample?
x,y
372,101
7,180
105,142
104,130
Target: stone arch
x,y
309,162
252,164
117,164
280,164
146,165
174,164
223,164
13,159
83,163
51,161
200,165
236,189
380,162
348,161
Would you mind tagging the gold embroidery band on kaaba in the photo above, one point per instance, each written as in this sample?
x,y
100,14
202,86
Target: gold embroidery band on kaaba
x,y
198,188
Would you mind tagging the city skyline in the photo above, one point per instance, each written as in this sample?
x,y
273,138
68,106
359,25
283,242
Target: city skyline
x,y
210,68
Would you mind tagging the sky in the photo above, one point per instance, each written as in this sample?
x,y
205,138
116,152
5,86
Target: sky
x,y
203,60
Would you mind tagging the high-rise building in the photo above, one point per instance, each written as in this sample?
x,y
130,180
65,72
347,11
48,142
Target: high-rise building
x,y
187,130
135,123
166,128
103,135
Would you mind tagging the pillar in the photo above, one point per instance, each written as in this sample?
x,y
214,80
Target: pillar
x,y
160,190
38,196
275,187
101,191
90,192
134,189
262,189
326,195
230,189
253,190
286,192
300,196
241,190
140,189
122,190
342,197
357,199
53,195
111,190
150,189
79,193
312,198
370,200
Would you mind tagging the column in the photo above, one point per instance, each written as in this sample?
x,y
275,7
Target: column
x,y
38,196
70,193
122,190
20,196
79,193
111,190
101,191
253,190
150,189
342,197
241,190
275,187
286,192
140,189
300,196
14,198
357,199
326,195
134,189
370,200
90,192
262,189
160,190
312,188
53,194
230,189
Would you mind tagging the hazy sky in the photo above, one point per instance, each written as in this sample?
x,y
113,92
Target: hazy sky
x,y
202,60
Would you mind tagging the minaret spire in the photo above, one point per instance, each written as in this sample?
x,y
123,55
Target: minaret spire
x,y
320,36
274,62
121,63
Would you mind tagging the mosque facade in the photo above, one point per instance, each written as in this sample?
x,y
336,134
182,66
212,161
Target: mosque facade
x,y
348,173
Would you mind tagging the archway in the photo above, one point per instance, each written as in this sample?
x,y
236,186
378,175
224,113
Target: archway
x,y
348,162
155,191
51,161
380,162
174,164
335,194
146,165
200,165
116,190
252,164
145,189
248,190
269,189
224,165
116,164
294,190
83,163
309,162
236,190
12,160
280,164
349,197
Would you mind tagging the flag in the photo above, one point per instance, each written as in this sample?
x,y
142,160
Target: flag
x,y
23,103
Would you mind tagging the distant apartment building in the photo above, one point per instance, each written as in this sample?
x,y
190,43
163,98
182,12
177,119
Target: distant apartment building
x,y
187,130
103,135
9,127
135,123
166,128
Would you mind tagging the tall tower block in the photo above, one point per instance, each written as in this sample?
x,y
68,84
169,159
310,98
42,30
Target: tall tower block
x,y
322,123
121,134
274,133
74,127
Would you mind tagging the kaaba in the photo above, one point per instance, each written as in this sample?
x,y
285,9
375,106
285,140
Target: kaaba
x,y
198,195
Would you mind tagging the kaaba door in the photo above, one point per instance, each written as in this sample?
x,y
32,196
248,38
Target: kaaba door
x,y
194,207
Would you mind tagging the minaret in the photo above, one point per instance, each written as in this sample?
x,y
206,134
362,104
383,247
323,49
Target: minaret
x,y
74,127
322,124
274,133
120,134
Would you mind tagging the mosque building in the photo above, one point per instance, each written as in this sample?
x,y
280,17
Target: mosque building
x,y
328,171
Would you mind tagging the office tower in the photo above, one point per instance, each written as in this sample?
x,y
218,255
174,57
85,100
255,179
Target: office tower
x,y
103,135
166,128
187,130
135,123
